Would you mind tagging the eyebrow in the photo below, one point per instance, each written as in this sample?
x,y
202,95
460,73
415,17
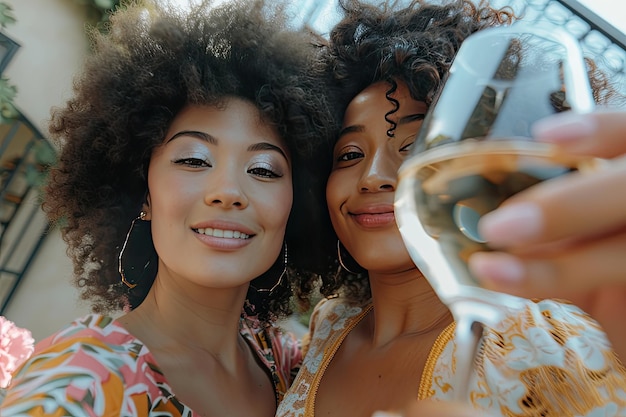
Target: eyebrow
x,y
265,146
403,120
261,146
194,133
351,129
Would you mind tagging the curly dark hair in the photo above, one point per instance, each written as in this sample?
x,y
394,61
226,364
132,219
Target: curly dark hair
x,y
416,44
154,61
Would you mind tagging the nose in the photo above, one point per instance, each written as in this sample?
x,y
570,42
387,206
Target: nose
x,y
225,190
380,173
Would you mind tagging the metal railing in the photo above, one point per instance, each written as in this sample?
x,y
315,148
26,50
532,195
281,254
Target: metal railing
x,y
24,158
24,155
600,41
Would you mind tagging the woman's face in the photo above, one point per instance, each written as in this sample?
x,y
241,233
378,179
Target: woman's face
x,y
361,187
220,193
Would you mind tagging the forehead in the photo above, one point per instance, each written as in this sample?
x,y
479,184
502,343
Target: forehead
x,y
380,90
374,100
235,119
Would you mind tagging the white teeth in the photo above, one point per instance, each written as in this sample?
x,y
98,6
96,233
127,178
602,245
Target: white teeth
x,y
223,233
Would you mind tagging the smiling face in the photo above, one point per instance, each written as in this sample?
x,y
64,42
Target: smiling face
x,y
361,187
220,193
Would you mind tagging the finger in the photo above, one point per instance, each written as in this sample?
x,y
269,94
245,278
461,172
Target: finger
x,y
601,134
573,206
579,269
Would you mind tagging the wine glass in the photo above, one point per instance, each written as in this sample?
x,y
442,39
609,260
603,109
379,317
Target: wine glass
x,y
474,150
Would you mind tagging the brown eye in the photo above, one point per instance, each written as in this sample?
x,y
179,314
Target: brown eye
x,y
192,162
264,171
349,156
407,147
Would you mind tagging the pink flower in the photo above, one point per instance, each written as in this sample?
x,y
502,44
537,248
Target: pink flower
x,y
16,345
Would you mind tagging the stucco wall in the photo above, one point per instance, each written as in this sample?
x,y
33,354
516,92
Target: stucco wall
x,y
52,47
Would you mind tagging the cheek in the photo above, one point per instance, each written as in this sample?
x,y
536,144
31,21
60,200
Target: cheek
x,y
276,207
170,193
331,194
171,197
335,197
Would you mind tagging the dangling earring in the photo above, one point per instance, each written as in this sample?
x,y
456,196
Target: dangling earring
x,y
280,278
341,260
137,257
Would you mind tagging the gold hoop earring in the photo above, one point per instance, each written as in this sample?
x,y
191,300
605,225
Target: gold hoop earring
x,y
341,260
137,257
280,278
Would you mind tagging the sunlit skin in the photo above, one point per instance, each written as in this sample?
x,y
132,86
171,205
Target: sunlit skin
x,y
220,170
380,363
220,194
361,187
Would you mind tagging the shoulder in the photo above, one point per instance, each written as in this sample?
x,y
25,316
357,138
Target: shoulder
x,y
87,364
90,342
335,312
330,320
103,338
90,329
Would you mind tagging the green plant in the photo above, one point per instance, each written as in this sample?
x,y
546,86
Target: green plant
x,y
6,15
7,90
98,10
43,157
7,95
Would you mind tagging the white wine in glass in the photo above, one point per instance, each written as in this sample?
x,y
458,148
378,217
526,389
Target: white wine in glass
x,y
475,150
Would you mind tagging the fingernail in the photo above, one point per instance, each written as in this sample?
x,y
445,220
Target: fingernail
x,y
511,224
385,414
497,268
564,127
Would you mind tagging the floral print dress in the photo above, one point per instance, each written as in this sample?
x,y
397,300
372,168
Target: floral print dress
x,y
548,360
94,367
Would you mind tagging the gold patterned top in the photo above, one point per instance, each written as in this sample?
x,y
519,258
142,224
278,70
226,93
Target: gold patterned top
x,y
551,359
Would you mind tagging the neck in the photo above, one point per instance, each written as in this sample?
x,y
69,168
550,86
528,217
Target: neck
x,y
198,320
405,305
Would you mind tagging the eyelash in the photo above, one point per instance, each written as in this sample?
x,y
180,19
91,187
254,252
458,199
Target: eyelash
x,y
407,147
352,155
193,162
344,157
262,172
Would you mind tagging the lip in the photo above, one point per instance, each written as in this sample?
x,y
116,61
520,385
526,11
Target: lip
x,y
374,216
225,243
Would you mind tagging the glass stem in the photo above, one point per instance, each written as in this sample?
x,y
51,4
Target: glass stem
x,y
468,339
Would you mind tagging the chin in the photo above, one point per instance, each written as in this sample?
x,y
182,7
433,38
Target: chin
x,y
388,261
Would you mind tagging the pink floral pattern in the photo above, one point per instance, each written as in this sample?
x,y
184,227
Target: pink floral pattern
x,y
95,367
16,345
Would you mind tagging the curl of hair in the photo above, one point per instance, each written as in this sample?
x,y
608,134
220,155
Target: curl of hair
x,y
155,60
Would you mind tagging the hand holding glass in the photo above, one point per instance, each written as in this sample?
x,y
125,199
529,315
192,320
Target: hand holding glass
x,y
474,151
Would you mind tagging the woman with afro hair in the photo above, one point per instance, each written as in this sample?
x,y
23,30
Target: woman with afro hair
x,y
184,191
